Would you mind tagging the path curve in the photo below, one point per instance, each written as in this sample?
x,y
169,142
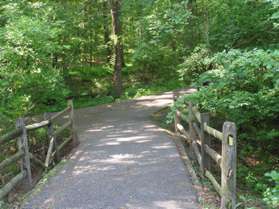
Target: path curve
x,y
124,161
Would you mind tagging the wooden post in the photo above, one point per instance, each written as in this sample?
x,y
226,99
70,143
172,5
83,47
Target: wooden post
x,y
191,128
209,143
176,121
194,147
190,121
23,145
52,141
205,159
73,127
229,158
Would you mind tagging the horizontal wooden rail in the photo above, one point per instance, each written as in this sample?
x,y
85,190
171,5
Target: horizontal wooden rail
x,y
182,130
37,125
196,113
37,160
199,130
11,159
57,115
11,184
213,132
62,128
181,115
216,185
24,156
185,138
213,154
64,143
9,136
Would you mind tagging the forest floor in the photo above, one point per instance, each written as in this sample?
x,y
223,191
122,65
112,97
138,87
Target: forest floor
x,y
124,161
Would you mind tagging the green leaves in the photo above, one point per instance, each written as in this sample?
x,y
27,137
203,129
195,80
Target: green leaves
x,y
271,195
195,64
242,86
28,40
242,81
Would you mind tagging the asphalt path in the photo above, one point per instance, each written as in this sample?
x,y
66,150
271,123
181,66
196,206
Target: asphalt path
x,y
124,161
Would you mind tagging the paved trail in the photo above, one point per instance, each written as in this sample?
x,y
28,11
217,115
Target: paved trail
x,y
124,161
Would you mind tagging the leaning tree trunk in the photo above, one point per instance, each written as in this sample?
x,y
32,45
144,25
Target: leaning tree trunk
x,y
117,43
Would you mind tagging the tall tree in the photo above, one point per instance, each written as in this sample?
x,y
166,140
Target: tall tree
x,y
106,30
118,47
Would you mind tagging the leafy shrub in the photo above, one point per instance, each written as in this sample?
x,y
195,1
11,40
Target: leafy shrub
x,y
36,92
275,15
29,83
244,88
87,102
195,64
154,88
271,195
90,81
91,72
151,62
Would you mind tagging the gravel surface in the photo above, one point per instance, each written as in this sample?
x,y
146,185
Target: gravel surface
x,y
124,161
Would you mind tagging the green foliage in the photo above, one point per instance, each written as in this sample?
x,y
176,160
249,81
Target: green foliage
x,y
271,195
90,81
153,63
158,43
238,23
243,88
28,80
50,50
138,90
3,205
87,72
247,89
275,12
89,101
130,92
195,64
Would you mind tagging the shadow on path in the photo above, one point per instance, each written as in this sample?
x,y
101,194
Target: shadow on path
x,y
124,161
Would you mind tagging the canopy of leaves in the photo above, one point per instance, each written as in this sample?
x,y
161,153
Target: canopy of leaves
x,y
52,49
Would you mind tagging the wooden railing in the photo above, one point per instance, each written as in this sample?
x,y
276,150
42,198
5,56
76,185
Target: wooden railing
x,y
199,137
23,154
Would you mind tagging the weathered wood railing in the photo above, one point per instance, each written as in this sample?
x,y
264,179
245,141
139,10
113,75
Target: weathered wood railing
x,y
23,153
199,137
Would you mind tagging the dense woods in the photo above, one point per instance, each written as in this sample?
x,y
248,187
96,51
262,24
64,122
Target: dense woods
x,y
99,51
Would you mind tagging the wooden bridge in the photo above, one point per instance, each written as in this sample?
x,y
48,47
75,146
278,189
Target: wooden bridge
x,y
124,160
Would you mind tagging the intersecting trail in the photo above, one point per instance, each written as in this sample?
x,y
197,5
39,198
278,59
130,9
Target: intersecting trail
x,y
124,161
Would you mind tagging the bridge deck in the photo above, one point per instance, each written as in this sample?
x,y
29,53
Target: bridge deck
x,y
124,161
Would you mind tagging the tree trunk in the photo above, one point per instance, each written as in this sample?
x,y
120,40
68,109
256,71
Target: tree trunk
x,y
106,30
206,24
118,49
192,23
92,33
